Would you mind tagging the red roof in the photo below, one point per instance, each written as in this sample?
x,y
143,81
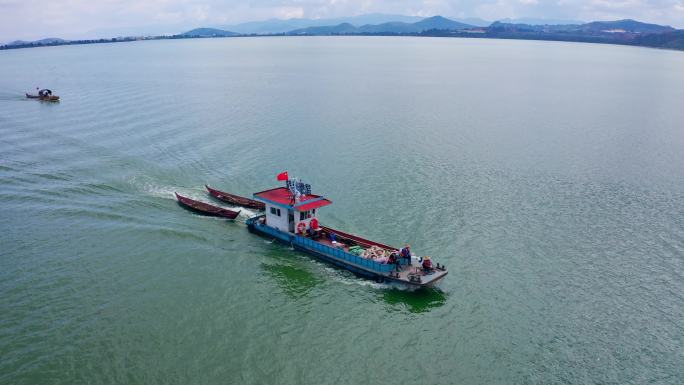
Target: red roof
x,y
281,196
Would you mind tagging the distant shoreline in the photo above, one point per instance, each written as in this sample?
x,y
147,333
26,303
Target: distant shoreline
x,y
621,32
429,33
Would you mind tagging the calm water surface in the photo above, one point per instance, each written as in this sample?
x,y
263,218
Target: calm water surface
x,y
549,177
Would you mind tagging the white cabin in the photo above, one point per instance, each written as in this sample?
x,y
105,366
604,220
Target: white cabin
x,y
288,214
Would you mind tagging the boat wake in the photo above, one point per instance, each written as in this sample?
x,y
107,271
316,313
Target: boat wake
x,y
151,188
244,212
155,190
12,95
349,279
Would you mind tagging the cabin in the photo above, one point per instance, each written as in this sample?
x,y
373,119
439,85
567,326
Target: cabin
x,y
289,214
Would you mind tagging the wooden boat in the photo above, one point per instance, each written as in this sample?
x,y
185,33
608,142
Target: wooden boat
x,y
48,98
236,199
206,208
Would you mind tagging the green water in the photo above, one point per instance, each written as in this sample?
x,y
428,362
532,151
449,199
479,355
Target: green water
x,y
548,177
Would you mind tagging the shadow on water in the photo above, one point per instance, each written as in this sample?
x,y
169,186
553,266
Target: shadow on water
x,y
294,281
417,301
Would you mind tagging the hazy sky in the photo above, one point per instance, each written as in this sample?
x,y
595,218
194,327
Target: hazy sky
x,y
30,19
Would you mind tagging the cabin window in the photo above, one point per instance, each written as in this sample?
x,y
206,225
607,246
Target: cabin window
x,y
302,215
275,211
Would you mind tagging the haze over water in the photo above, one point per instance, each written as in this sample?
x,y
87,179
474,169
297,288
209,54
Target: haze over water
x,y
548,177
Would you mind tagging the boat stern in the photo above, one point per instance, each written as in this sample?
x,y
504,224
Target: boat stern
x,y
417,276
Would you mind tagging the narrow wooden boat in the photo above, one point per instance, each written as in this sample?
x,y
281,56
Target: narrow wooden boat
x,y
49,98
206,208
236,199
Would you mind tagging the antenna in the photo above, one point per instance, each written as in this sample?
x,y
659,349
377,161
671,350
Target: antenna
x,y
292,188
297,189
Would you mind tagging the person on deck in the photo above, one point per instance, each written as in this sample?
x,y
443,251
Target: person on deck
x,y
427,264
313,233
393,260
406,254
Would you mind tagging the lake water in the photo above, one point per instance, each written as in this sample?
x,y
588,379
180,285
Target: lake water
x,y
548,177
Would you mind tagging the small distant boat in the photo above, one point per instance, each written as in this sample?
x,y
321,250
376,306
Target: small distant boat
x,y
206,208
236,199
45,95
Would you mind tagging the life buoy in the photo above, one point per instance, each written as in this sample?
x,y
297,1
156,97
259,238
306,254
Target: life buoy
x,y
314,223
301,226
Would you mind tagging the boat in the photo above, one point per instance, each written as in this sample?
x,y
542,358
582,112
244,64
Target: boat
x,y
206,208
291,217
47,98
235,199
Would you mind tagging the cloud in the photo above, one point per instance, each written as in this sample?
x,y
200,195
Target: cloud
x,y
66,18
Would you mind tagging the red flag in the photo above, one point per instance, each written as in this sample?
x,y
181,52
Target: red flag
x,y
283,176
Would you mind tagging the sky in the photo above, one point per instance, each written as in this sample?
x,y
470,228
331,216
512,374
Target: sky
x,y
71,19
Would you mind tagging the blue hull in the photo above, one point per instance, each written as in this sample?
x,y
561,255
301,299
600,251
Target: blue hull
x,y
368,268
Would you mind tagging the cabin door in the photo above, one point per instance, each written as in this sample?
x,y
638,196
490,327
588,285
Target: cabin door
x,y
290,221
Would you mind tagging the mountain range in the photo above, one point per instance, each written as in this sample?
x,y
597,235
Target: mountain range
x,y
435,22
629,32
276,26
439,23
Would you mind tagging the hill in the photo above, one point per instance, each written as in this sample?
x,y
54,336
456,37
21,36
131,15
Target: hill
x,y
439,22
627,25
392,27
671,40
344,28
47,41
593,28
536,21
208,32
